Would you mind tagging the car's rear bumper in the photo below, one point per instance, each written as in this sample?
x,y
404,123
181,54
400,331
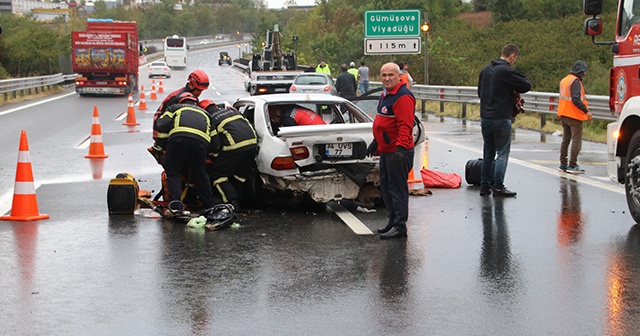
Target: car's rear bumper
x,y
323,185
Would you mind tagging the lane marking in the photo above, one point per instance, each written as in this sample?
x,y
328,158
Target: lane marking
x,y
36,103
348,218
554,172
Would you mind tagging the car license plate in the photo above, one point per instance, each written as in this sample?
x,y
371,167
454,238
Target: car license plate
x,y
101,83
344,149
280,90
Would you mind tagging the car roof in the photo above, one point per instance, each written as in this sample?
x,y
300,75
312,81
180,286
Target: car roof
x,y
158,62
295,98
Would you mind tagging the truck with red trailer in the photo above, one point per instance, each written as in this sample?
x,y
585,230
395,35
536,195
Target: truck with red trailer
x,y
105,57
623,136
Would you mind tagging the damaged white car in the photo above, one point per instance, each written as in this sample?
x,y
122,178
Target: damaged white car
x,y
321,162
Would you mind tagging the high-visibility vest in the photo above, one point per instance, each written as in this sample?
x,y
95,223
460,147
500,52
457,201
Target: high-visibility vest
x,y
354,72
566,108
326,69
404,77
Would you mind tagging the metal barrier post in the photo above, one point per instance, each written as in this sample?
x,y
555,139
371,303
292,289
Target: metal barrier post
x,y
464,110
543,120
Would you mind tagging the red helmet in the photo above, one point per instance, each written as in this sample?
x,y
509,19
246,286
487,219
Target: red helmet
x,y
187,97
199,79
205,103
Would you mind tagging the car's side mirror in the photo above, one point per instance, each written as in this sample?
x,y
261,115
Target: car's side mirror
x,y
593,26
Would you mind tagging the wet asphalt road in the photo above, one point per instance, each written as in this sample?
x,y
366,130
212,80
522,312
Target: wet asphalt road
x,y
560,259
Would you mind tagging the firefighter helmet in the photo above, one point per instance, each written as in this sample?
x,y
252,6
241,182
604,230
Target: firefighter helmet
x,y
187,98
199,79
205,103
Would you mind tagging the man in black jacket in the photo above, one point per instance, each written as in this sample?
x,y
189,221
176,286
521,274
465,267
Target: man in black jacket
x,y
189,130
497,85
232,151
346,83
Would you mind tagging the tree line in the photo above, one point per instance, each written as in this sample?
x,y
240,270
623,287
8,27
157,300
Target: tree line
x,y
548,32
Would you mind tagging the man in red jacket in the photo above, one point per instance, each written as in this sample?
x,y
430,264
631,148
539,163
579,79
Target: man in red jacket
x,y
392,133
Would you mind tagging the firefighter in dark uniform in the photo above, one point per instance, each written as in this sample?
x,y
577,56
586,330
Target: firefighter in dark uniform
x,y
197,82
189,135
233,151
392,133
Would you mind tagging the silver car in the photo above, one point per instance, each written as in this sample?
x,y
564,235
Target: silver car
x,y
314,83
160,69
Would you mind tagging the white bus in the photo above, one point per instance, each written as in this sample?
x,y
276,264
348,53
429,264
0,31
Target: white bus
x,y
175,51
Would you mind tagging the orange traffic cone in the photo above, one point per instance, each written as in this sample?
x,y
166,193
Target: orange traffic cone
x,y
96,147
25,204
160,88
153,95
143,103
412,177
131,114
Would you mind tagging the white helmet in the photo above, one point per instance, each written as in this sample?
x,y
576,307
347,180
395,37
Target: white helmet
x,y
352,64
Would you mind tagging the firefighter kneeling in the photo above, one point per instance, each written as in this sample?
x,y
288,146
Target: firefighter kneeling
x,y
232,152
189,130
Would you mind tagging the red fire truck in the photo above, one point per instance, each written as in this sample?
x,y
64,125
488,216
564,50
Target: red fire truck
x,y
623,136
105,57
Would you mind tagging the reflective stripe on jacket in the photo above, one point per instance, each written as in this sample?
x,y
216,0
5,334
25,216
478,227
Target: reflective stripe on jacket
x,y
185,120
566,108
171,99
231,131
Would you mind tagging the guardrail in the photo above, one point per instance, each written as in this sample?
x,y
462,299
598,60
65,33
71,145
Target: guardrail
x,y
29,85
540,102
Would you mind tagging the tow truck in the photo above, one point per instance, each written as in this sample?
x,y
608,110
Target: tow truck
x,y
623,136
273,71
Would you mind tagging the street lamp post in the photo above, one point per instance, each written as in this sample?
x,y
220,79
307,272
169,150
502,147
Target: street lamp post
x,y
295,46
425,27
239,52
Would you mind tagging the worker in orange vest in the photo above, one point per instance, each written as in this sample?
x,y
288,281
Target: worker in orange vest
x,y
573,110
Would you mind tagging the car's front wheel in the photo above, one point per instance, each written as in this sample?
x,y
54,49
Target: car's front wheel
x,y
632,177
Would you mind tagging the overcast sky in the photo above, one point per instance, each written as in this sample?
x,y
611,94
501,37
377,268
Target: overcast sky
x,y
280,3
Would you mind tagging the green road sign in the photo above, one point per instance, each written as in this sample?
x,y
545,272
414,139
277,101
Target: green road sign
x,y
392,23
